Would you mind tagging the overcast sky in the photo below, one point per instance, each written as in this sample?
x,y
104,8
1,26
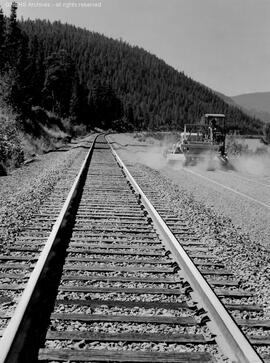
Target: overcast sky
x,y
224,44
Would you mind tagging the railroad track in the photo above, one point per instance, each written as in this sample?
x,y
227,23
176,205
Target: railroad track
x,y
113,283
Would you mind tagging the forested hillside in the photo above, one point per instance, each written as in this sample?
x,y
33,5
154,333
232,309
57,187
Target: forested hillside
x,y
91,79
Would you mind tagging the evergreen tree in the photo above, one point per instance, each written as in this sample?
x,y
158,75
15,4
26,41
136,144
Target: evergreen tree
x,y
2,40
58,82
36,71
107,106
266,132
74,103
79,109
130,116
13,37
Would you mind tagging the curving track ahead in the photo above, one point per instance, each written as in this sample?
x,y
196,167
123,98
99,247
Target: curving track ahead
x,y
113,283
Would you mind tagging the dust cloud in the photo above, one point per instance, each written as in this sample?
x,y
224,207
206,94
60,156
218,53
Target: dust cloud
x,y
151,155
258,165
154,156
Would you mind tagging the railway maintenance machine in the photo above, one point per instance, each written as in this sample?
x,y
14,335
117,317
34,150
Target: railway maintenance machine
x,y
201,141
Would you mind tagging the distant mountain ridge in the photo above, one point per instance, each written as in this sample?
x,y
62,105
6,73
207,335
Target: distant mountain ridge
x,y
256,104
226,99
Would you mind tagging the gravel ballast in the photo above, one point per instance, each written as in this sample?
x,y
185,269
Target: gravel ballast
x,y
247,259
25,189
208,215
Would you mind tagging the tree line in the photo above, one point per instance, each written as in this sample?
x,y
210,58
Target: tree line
x,y
97,81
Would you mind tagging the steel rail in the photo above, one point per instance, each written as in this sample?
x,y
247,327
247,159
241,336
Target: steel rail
x,y
229,337
11,342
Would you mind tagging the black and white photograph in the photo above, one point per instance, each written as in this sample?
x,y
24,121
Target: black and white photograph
x,y
135,181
